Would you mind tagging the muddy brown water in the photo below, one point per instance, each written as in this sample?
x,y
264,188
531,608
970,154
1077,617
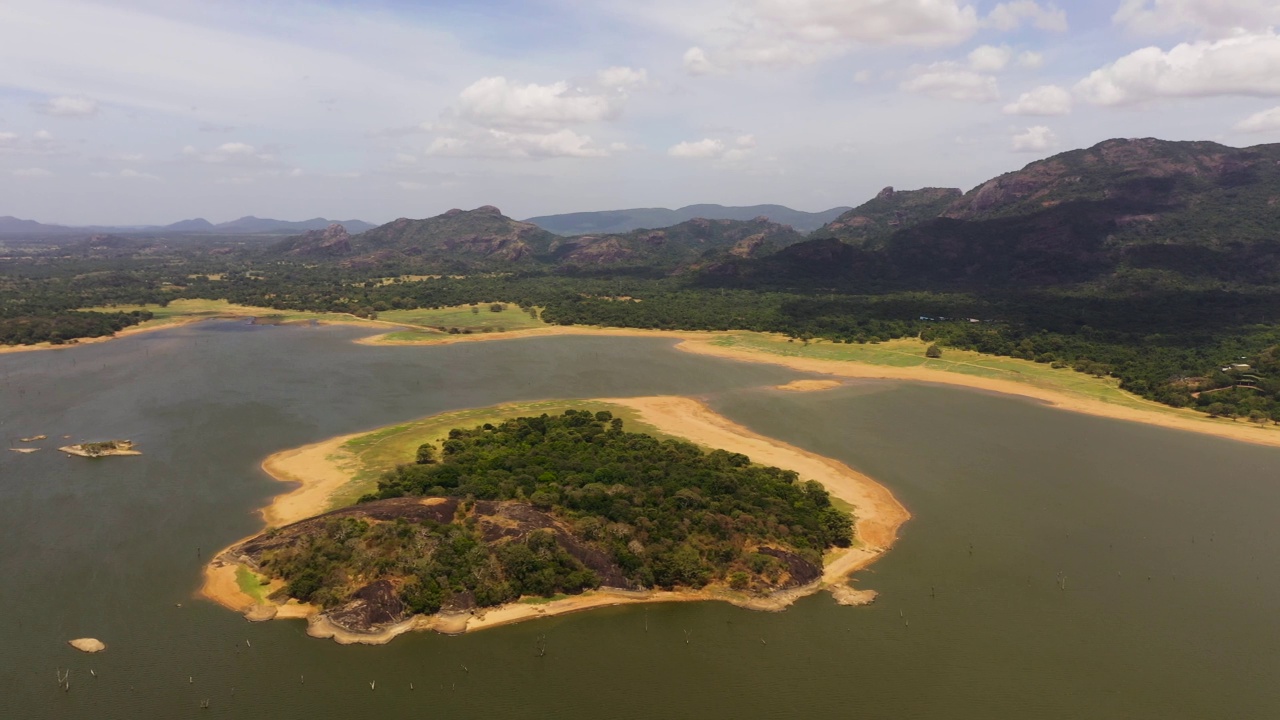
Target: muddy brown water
x,y
1167,542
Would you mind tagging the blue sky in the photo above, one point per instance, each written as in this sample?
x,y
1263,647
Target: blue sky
x,y
151,111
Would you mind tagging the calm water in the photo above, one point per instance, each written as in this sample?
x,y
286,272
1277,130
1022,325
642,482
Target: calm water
x,y
1167,542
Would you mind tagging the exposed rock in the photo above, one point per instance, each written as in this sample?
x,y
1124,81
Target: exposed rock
x,y
333,241
846,595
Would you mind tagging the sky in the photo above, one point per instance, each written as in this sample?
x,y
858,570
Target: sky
x,y
153,111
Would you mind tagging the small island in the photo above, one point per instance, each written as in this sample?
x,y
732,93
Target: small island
x,y
537,515
107,448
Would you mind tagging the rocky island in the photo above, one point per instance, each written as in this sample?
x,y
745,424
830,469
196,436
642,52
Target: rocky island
x,y
107,448
539,515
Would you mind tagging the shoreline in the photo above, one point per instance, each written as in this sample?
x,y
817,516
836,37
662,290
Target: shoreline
x,y
700,342
321,470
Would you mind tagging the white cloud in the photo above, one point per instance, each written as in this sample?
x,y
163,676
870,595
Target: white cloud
x,y
951,81
1044,100
989,58
493,143
863,76
705,148
1208,17
1011,15
34,172
1035,139
126,174
230,153
622,77
1240,65
1030,60
1261,122
784,33
235,148
714,149
696,62
40,143
68,106
496,102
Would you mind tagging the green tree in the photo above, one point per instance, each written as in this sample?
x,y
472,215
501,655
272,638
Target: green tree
x,y
933,351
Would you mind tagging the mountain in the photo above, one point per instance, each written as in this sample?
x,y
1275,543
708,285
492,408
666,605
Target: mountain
x,y
250,225
623,221
457,239
681,244
331,242
10,225
196,225
887,212
244,226
1122,211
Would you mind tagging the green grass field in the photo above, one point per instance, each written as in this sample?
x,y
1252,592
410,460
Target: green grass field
x,y
381,450
182,310
464,318
910,353
251,585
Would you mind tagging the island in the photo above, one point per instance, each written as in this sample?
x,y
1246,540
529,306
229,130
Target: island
x,y
107,448
527,515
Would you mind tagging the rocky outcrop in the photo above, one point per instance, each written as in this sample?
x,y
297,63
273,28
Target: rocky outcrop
x,y
331,242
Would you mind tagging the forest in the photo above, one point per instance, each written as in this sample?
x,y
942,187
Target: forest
x,y
660,513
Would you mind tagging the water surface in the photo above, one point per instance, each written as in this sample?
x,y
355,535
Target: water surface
x,y
1165,540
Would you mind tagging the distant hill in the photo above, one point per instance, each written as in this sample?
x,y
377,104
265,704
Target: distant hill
x,y
10,225
244,226
457,239
682,244
888,212
1124,211
623,221
196,225
250,225
485,239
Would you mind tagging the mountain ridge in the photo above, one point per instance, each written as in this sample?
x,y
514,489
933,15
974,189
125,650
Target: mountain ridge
x,y
630,219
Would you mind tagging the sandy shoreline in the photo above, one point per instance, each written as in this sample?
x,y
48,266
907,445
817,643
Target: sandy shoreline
x,y
701,343
322,469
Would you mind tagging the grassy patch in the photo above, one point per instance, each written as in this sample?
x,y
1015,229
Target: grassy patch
x,y
372,454
250,584
465,317
183,310
542,600
909,352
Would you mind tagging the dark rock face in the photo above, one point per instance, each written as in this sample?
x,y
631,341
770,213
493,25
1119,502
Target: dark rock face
x,y
374,605
802,571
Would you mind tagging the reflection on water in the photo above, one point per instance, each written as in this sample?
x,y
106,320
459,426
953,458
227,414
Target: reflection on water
x,y
1057,566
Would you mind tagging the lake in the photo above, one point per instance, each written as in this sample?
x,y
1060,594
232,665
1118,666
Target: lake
x,y
1057,565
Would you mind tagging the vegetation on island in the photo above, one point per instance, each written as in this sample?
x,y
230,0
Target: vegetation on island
x,y
560,504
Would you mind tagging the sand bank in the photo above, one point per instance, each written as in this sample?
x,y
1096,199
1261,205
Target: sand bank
x,y
323,468
702,343
1161,415
320,469
809,385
